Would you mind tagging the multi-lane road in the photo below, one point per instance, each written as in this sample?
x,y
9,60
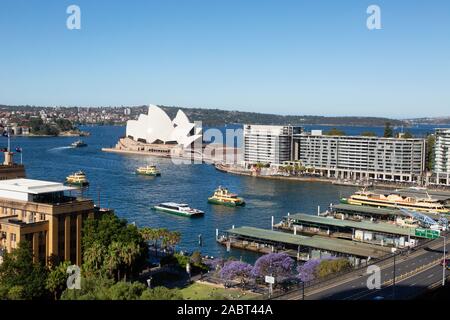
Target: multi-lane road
x,y
415,273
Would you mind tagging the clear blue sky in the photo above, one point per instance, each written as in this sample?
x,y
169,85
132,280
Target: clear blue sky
x,y
286,57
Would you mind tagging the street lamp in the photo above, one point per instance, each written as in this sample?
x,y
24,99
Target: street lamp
x,y
188,270
444,264
303,290
393,283
149,282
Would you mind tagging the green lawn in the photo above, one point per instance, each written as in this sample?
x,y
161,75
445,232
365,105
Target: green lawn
x,y
200,291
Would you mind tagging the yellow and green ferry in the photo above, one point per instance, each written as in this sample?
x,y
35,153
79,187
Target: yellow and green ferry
x,y
148,171
78,179
223,197
394,200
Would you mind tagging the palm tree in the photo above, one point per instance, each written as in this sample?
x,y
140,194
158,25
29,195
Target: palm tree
x,y
175,239
150,234
128,255
94,256
113,259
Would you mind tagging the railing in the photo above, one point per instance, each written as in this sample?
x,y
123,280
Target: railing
x,y
333,278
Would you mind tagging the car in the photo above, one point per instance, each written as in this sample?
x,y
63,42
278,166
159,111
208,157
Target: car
x,y
446,263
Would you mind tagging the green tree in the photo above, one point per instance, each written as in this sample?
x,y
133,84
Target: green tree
x,y
94,287
57,279
388,131
129,253
104,241
334,132
161,293
113,259
196,258
22,275
126,291
431,142
368,134
407,135
332,266
16,293
94,256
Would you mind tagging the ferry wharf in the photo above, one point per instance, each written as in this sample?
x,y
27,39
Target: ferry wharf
x,y
302,248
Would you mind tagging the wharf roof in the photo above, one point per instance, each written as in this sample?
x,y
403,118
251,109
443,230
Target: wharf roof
x,y
317,242
377,211
382,227
368,210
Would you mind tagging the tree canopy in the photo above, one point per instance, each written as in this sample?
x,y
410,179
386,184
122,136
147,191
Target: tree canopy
x,y
20,277
388,131
334,132
113,247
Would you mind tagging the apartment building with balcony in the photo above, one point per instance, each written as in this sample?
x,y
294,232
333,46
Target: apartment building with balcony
x,y
268,144
360,157
442,157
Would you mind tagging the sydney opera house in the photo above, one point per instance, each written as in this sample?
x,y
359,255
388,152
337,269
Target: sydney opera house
x,y
156,127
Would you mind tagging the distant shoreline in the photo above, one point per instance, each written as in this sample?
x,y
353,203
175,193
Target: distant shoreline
x,y
60,135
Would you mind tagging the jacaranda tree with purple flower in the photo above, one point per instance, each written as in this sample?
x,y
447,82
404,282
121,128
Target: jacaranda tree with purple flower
x,y
233,270
306,271
275,264
310,269
214,264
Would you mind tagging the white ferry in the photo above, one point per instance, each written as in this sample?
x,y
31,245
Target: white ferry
x,y
180,209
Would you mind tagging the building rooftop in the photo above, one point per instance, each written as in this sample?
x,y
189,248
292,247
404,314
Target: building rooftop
x,y
382,227
367,210
318,242
31,186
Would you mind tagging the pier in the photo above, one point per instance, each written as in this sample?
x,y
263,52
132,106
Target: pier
x,y
377,233
298,246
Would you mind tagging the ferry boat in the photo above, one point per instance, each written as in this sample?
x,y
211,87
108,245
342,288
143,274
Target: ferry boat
x,y
78,178
394,200
224,197
148,171
180,209
78,144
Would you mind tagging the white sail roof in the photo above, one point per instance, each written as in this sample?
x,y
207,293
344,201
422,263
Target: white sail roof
x,y
156,126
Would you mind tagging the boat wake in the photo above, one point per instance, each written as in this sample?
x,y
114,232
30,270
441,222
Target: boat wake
x,y
60,148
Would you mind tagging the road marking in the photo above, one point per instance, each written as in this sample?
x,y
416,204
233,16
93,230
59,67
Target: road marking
x,y
412,285
416,256
431,275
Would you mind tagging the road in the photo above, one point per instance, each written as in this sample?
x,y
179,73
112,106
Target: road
x,y
414,274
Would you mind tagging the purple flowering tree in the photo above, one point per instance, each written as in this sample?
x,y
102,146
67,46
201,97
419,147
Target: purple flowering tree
x,y
275,264
214,264
236,270
307,271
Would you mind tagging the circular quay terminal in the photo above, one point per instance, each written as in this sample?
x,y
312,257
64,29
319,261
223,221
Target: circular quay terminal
x,y
212,159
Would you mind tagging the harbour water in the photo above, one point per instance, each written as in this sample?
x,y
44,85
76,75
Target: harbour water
x,y
114,183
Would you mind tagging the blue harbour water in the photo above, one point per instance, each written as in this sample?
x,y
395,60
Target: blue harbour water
x,y
114,183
